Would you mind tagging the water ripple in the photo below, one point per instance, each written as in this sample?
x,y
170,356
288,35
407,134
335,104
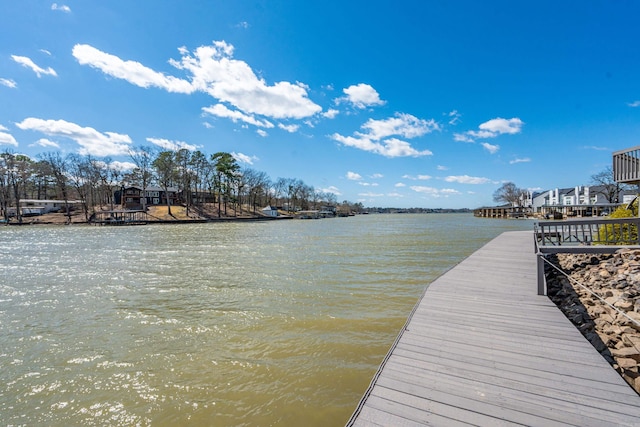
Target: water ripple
x,y
212,324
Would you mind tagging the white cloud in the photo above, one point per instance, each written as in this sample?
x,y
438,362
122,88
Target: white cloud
x,y
460,137
481,134
395,195
332,189
370,194
28,63
7,138
131,71
262,133
122,166
44,142
45,51
454,117
207,125
361,96
593,147
402,124
172,145
466,179
490,148
377,176
214,71
220,110
243,158
442,168
354,176
389,148
432,191
523,160
8,83
330,113
369,184
634,104
90,140
418,177
61,7
499,126
400,184
289,128
243,24
491,129
425,190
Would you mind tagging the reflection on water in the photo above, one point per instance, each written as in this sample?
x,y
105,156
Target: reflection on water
x,y
212,324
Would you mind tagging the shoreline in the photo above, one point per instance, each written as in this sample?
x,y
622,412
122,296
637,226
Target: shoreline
x,y
64,222
601,296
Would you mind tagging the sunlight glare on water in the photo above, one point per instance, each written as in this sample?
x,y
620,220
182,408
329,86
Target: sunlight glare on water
x,y
226,324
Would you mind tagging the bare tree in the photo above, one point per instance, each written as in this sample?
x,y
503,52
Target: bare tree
x,y
166,168
256,184
509,193
143,158
5,188
279,189
59,170
608,187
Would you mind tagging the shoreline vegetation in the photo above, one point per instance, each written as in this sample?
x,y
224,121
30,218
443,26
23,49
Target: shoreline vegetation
x,y
155,215
160,215
158,186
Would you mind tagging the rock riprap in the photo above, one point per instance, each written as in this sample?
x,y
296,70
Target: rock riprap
x,y
609,315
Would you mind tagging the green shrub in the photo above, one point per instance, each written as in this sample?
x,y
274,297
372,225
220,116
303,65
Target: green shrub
x,y
620,234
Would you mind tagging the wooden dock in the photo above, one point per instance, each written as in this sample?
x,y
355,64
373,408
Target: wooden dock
x,y
482,348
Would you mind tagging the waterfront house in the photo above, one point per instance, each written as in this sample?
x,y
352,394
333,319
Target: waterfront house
x,y
327,211
579,201
132,197
270,211
31,207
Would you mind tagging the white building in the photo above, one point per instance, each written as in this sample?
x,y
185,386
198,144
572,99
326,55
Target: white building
x,y
41,207
270,211
578,201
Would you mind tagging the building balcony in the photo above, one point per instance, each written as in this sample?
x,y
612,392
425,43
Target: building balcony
x,y
626,166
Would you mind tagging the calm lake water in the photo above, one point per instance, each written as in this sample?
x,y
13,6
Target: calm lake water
x,y
235,324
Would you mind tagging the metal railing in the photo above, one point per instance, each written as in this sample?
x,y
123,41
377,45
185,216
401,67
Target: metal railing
x,y
601,231
626,165
595,236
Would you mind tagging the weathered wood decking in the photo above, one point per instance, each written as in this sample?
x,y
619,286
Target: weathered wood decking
x,y
482,348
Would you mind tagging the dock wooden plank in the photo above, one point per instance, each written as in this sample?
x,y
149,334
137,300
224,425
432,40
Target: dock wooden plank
x,y
482,348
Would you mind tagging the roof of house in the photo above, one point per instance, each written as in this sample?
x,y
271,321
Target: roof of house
x,y
152,188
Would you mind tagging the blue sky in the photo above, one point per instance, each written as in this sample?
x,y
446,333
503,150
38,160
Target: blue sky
x,y
404,103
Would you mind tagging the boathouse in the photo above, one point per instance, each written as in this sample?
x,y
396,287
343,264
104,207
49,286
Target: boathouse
x,y
504,211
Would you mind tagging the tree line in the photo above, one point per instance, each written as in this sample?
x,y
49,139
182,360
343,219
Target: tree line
x,y
200,179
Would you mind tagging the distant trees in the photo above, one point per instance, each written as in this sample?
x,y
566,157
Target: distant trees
x,y
511,194
142,175
610,189
217,179
165,166
59,168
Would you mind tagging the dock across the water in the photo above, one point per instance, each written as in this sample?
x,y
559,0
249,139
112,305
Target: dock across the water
x,y
483,348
